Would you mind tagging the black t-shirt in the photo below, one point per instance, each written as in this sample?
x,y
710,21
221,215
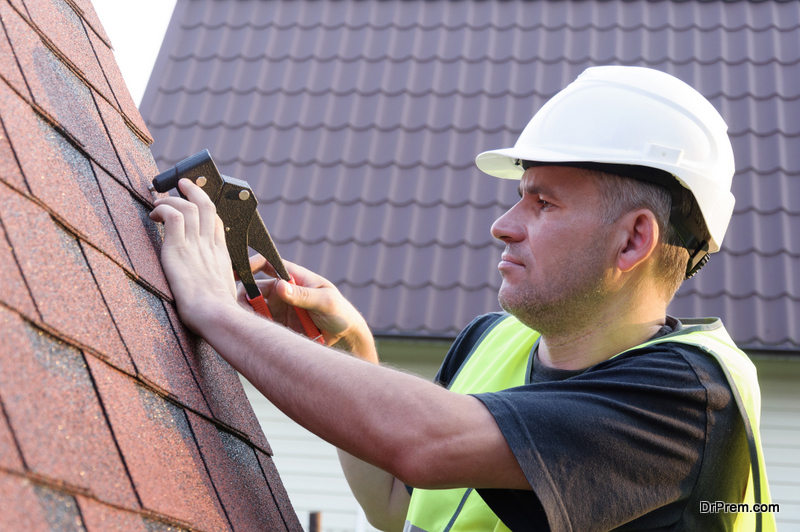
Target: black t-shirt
x,y
632,443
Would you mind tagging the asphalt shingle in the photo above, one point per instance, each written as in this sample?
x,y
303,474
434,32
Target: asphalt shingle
x,y
97,375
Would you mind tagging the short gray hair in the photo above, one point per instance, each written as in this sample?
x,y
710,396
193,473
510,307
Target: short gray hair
x,y
621,195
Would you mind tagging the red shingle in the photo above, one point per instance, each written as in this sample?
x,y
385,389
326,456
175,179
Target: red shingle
x,y
146,331
61,93
160,451
219,384
9,169
59,175
20,508
134,154
98,517
118,86
139,233
95,386
279,493
13,290
89,15
64,29
59,279
237,475
54,412
9,68
9,455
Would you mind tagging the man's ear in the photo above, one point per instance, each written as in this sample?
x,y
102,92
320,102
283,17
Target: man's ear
x,y
640,234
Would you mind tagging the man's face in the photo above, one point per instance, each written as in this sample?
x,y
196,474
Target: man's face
x,y
557,259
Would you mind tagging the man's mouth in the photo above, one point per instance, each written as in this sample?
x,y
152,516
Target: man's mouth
x,y
508,260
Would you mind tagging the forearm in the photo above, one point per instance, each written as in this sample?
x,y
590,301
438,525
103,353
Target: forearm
x,y
344,400
415,430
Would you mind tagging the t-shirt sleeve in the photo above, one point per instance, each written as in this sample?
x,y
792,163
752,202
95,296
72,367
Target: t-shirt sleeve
x,y
623,439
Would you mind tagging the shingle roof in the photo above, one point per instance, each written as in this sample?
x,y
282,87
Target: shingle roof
x,y
112,415
357,123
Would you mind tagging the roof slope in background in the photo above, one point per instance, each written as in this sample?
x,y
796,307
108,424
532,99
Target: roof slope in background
x,y
112,415
357,122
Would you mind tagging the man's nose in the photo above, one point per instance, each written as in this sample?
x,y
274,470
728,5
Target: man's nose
x,y
508,227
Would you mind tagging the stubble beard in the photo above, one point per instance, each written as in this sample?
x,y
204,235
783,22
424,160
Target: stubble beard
x,y
572,297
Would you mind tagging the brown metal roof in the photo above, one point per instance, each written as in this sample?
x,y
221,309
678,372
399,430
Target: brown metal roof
x,y
357,123
112,415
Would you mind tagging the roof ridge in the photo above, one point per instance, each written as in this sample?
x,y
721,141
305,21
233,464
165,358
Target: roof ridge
x,y
328,127
357,91
377,203
476,60
428,92
767,212
755,342
727,293
388,129
340,162
379,240
774,170
476,27
411,286
767,254
763,134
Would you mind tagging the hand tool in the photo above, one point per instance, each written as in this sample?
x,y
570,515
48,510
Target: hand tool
x,y
236,206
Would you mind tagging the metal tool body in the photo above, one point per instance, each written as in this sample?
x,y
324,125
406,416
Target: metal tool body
x,y
237,207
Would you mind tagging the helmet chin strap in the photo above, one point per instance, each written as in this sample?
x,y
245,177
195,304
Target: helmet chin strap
x,y
694,236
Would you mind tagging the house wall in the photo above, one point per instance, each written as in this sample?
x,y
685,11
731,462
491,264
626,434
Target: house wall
x,y
313,479
780,433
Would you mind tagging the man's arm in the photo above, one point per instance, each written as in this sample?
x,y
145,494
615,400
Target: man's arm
x,y
383,498
418,432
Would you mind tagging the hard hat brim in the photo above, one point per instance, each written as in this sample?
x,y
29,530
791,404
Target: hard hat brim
x,y
502,163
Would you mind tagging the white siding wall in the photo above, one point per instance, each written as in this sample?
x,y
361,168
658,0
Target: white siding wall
x,y
309,469
780,433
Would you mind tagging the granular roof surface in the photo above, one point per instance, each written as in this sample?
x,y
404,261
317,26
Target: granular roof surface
x,y
357,122
112,415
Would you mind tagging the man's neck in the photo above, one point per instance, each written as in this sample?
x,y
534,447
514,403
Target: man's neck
x,y
607,336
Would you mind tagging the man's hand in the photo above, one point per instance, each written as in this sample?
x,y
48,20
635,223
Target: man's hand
x,y
198,268
340,323
194,256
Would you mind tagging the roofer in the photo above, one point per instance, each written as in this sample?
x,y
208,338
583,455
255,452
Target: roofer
x,y
585,407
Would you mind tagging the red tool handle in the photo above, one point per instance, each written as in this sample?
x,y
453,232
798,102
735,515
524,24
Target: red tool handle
x,y
308,324
260,306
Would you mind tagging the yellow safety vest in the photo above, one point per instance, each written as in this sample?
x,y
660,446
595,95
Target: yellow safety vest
x,y
501,359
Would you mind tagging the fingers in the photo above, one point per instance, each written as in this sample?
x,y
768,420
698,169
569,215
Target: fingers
x,y
316,299
260,264
304,277
174,228
207,211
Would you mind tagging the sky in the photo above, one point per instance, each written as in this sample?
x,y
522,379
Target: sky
x,y
136,29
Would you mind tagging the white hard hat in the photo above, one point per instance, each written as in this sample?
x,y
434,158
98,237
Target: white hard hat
x,y
632,117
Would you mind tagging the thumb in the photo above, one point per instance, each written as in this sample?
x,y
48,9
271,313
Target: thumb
x,y
295,295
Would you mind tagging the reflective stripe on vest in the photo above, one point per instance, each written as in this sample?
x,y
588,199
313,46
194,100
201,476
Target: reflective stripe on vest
x,y
502,359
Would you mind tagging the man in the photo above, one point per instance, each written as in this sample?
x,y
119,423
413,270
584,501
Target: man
x,y
585,407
